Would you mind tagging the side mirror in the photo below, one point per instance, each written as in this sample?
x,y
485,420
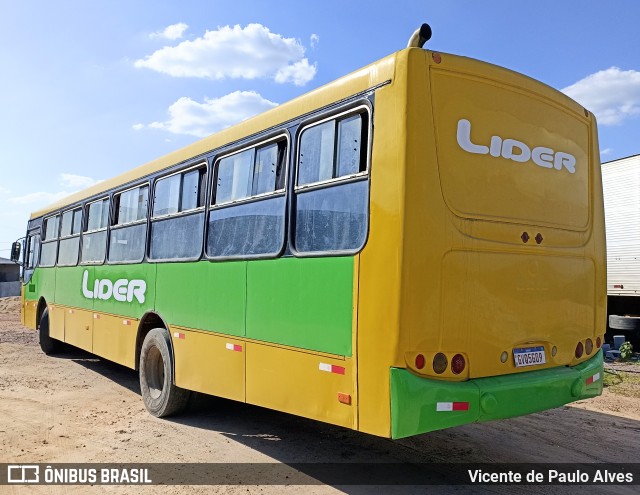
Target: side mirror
x,y
16,247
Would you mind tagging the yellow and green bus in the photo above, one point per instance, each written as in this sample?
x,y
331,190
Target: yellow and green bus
x,y
415,246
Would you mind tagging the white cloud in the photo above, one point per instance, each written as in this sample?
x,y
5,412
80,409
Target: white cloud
x,y
137,127
76,181
4,190
37,199
298,73
201,119
605,151
69,184
314,39
173,32
613,95
235,52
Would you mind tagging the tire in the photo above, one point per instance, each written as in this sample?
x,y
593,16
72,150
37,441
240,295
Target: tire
x,y
624,322
48,345
161,397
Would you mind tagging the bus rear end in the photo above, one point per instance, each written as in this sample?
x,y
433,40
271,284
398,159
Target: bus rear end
x,y
502,308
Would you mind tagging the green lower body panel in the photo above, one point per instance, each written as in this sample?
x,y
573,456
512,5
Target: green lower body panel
x,y
419,405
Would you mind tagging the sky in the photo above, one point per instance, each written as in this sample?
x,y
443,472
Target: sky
x,y
91,89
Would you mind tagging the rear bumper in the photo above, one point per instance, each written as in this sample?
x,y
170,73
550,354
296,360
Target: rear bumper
x,y
419,405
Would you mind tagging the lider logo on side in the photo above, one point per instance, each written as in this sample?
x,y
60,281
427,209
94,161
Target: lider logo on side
x,y
515,150
122,290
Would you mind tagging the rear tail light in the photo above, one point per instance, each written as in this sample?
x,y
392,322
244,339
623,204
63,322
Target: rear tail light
x,y
598,342
579,350
440,363
457,364
588,346
420,361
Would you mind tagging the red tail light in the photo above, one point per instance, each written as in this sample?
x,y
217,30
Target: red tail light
x,y
457,364
598,342
420,361
579,350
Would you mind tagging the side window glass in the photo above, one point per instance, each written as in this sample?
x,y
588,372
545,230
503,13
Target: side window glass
x,y
32,250
349,140
49,248
67,223
167,197
316,153
254,227
127,239
98,215
266,170
51,228
94,239
233,177
131,206
70,227
177,223
332,190
33,245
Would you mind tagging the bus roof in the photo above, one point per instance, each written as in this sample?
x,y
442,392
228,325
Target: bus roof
x,y
374,74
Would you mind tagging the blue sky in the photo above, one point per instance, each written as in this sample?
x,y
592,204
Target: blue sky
x,y
90,89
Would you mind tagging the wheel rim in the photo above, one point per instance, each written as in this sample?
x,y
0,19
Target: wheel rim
x,y
155,372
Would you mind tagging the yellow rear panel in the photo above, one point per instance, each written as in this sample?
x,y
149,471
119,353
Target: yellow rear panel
x,y
541,174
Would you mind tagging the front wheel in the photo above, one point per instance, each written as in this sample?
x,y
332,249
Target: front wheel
x,y
161,397
47,344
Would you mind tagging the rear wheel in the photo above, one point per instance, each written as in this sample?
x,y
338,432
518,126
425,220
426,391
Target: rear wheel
x,y
161,397
47,344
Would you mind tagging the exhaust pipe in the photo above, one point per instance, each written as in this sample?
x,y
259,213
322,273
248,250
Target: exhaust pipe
x,y
420,36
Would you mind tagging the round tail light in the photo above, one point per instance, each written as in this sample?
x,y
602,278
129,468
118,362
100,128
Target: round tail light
x,y
457,364
588,346
598,342
439,363
579,350
420,361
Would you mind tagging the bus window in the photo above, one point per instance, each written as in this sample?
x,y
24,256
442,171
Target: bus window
x,y
94,239
177,220
332,191
70,237
248,215
49,249
31,258
129,227
233,177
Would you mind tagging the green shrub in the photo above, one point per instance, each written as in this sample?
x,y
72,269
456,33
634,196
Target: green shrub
x,y
626,350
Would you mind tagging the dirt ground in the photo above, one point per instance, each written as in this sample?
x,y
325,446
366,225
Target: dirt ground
x,y
78,408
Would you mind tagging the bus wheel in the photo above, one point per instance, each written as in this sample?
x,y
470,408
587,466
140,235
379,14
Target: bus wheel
x,y
161,397
47,344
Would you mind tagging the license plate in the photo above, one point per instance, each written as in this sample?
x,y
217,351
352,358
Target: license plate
x,y
529,356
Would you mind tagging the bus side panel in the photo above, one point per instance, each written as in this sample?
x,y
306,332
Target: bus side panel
x,y
69,286
56,322
305,303
137,290
114,338
204,296
44,282
30,297
211,364
78,328
297,382
29,313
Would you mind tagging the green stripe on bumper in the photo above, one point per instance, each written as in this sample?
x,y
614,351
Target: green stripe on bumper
x,y
414,400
